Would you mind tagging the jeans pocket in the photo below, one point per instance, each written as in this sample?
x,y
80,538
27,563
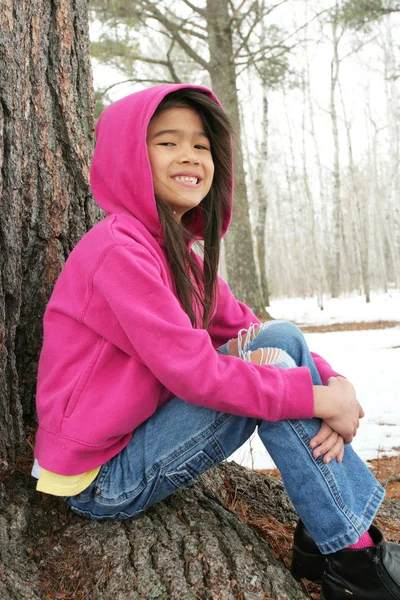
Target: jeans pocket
x,y
91,491
190,470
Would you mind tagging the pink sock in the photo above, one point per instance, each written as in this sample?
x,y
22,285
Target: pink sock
x,y
365,541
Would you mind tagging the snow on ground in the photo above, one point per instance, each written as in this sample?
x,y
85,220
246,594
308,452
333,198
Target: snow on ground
x,y
352,308
370,359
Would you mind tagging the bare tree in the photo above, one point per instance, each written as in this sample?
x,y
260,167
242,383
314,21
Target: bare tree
x,y
391,76
359,204
337,238
261,196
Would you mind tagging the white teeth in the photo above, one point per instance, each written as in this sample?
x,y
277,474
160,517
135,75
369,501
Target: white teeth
x,y
185,179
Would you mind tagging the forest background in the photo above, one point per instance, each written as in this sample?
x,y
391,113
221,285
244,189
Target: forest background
x,y
314,90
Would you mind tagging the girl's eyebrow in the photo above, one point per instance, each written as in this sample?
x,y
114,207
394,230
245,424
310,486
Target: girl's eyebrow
x,y
177,131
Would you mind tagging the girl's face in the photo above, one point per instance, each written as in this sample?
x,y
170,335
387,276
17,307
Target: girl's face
x,y
180,158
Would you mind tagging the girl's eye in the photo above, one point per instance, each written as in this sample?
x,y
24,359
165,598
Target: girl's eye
x,y
166,144
201,147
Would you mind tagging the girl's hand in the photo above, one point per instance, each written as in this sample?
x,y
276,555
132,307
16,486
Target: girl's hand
x,y
328,443
338,406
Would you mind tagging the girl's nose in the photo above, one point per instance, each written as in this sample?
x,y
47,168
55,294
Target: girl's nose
x,y
188,156
192,160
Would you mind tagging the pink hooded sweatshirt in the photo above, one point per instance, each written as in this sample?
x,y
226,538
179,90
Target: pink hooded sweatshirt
x,y
117,344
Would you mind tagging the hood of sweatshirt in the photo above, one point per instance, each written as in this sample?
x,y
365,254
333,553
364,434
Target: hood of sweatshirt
x,y
120,173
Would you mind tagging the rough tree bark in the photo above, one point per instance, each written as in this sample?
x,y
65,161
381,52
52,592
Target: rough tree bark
x,y
190,546
46,127
241,266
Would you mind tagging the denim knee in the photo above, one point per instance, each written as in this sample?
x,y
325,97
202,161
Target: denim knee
x,y
281,334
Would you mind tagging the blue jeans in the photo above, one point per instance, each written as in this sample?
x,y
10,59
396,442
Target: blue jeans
x,y
337,502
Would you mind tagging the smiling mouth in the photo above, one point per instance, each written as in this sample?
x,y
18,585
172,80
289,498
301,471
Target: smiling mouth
x,y
191,181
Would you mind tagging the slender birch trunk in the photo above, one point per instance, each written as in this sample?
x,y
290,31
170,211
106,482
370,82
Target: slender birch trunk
x,y
359,208
261,196
337,233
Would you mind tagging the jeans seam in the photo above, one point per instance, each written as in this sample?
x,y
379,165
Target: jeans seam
x,y
345,540
321,467
205,434
358,523
162,464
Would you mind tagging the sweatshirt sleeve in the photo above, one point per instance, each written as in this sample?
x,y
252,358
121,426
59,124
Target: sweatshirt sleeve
x,y
130,281
229,317
324,369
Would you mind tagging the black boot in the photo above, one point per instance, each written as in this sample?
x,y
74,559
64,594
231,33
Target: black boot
x,y
307,560
366,574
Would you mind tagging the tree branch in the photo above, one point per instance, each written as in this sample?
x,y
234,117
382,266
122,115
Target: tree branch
x,y
196,9
253,53
153,61
236,11
201,36
239,18
174,29
282,43
171,65
246,38
358,47
133,80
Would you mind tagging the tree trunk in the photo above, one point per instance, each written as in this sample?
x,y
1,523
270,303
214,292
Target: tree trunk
x,y
359,202
392,196
192,545
317,283
261,197
337,237
318,224
46,128
216,540
240,259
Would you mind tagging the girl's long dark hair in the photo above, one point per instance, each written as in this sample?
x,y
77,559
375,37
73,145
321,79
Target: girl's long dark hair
x,y
197,287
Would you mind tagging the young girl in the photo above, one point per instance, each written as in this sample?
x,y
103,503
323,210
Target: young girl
x,y
151,372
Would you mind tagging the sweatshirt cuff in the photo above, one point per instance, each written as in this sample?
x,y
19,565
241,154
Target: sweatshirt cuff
x,y
326,374
298,401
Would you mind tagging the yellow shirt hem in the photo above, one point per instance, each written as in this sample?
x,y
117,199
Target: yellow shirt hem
x,y
65,485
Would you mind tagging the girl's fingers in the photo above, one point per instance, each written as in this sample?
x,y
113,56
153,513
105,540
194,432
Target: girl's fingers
x,y
326,445
335,452
323,433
